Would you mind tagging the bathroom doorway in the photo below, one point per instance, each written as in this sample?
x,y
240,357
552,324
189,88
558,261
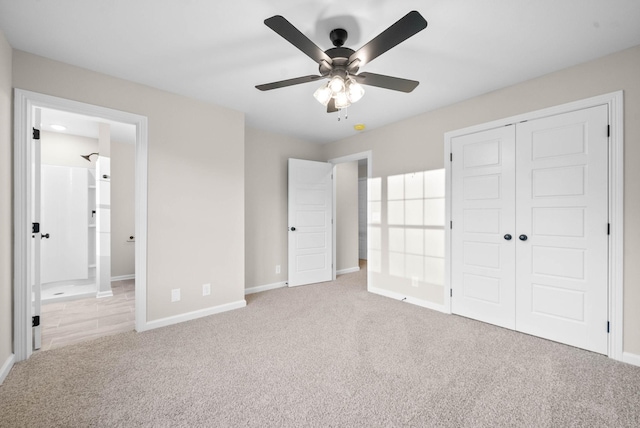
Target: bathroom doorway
x,y
28,234
87,263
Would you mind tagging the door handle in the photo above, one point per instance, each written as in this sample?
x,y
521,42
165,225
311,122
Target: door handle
x,y
507,237
293,229
523,237
46,235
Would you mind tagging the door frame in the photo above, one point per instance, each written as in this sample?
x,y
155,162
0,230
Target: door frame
x,y
368,155
615,103
24,103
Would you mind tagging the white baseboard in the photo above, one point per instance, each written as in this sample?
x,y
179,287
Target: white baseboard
x,y
348,270
101,294
408,299
6,367
259,288
123,277
163,322
630,358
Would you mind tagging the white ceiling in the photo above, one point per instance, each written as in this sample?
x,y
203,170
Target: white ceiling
x,y
218,51
86,126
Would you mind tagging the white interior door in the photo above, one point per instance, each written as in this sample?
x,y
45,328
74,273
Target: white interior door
x,y
310,223
36,291
544,185
562,208
482,235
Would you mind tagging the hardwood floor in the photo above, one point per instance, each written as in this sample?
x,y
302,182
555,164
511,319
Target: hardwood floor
x,y
65,323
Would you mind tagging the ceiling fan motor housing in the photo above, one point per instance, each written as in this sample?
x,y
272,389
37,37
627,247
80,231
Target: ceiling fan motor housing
x,y
340,60
338,37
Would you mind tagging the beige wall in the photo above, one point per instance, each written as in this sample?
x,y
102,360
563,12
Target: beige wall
x,y
266,156
6,205
196,182
363,171
122,208
346,179
416,144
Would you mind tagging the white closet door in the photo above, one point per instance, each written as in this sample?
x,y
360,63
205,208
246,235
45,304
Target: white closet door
x,y
483,210
310,224
561,207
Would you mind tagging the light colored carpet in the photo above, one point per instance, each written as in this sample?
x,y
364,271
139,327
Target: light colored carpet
x,y
322,355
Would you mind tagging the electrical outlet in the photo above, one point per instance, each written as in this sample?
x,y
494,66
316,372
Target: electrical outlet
x,y
175,295
414,281
206,289
277,268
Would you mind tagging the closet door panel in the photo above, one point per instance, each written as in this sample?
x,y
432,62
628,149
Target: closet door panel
x,y
561,206
482,260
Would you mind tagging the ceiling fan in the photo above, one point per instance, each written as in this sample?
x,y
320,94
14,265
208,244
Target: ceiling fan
x,y
340,64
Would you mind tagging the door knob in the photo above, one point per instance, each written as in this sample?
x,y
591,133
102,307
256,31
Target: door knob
x,y
523,237
46,235
293,229
507,237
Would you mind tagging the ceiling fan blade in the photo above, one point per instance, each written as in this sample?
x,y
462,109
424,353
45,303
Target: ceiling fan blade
x,y
331,107
386,82
283,27
404,28
288,82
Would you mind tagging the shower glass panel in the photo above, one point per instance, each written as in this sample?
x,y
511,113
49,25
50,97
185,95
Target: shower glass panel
x,y
64,219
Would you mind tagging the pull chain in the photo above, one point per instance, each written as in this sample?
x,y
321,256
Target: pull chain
x,y
346,113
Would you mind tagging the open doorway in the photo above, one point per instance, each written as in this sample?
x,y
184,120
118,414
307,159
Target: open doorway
x,y
87,263
362,211
350,212
27,232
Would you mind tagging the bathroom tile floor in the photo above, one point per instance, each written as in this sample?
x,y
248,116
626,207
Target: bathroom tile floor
x,y
65,323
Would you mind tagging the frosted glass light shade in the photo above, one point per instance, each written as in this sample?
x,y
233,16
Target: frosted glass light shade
x,y
323,94
336,84
355,91
342,100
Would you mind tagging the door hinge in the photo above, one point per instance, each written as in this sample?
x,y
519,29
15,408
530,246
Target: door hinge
x,y
35,321
608,326
450,157
608,228
451,292
35,227
608,130
36,134
451,224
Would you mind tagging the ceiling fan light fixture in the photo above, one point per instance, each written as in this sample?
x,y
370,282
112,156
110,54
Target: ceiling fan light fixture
x,y
323,94
355,91
339,63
